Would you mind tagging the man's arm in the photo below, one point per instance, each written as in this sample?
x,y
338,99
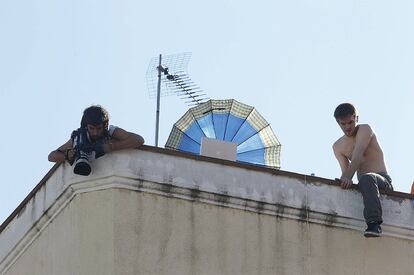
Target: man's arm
x,y
363,138
64,152
343,163
123,140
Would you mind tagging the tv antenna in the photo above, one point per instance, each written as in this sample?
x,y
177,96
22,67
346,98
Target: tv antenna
x,y
170,73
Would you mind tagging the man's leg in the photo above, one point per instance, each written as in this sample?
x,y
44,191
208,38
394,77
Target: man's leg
x,y
370,193
369,185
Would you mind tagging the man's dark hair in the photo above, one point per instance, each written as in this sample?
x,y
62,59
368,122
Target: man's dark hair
x,y
95,115
344,110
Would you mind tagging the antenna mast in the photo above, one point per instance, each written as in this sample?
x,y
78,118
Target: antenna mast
x,y
157,119
169,72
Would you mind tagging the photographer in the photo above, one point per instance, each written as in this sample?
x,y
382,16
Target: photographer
x,y
92,140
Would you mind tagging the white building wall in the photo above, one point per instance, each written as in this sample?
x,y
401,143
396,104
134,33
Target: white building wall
x,y
78,241
148,212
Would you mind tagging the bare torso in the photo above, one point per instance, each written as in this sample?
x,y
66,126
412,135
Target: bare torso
x,y
372,158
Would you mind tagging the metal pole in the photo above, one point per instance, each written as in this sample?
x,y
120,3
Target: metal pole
x,y
157,122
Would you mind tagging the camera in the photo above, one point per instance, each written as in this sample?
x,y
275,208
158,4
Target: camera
x,y
83,152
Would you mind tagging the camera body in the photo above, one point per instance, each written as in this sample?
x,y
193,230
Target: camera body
x,y
85,151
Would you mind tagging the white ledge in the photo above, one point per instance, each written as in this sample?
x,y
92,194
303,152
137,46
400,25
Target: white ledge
x,y
265,191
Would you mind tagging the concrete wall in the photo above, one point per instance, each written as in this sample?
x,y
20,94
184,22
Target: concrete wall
x,y
155,213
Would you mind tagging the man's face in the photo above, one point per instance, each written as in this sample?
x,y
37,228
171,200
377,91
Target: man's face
x,y
95,131
348,124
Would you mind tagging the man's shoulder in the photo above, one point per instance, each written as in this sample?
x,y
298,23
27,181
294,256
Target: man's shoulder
x,y
364,130
111,129
364,127
339,143
118,132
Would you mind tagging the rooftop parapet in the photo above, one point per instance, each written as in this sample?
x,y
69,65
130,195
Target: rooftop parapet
x,y
206,180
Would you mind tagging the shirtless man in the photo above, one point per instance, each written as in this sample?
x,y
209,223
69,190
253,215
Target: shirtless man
x,y
358,151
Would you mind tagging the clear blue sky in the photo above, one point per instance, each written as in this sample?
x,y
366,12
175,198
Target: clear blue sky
x,y
295,61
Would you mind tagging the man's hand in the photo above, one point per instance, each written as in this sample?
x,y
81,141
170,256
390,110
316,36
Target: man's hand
x,y
70,155
100,149
108,147
345,182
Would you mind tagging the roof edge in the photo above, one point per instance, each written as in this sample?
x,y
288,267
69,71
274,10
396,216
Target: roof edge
x,y
248,166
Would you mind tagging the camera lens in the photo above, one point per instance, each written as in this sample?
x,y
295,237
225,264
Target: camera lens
x,y
82,166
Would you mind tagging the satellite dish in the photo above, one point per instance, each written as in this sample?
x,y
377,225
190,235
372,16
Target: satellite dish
x,y
231,121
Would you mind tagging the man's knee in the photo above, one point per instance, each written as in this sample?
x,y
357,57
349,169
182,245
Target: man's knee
x,y
367,179
368,186
368,183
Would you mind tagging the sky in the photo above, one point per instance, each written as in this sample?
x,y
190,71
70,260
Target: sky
x,y
294,61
